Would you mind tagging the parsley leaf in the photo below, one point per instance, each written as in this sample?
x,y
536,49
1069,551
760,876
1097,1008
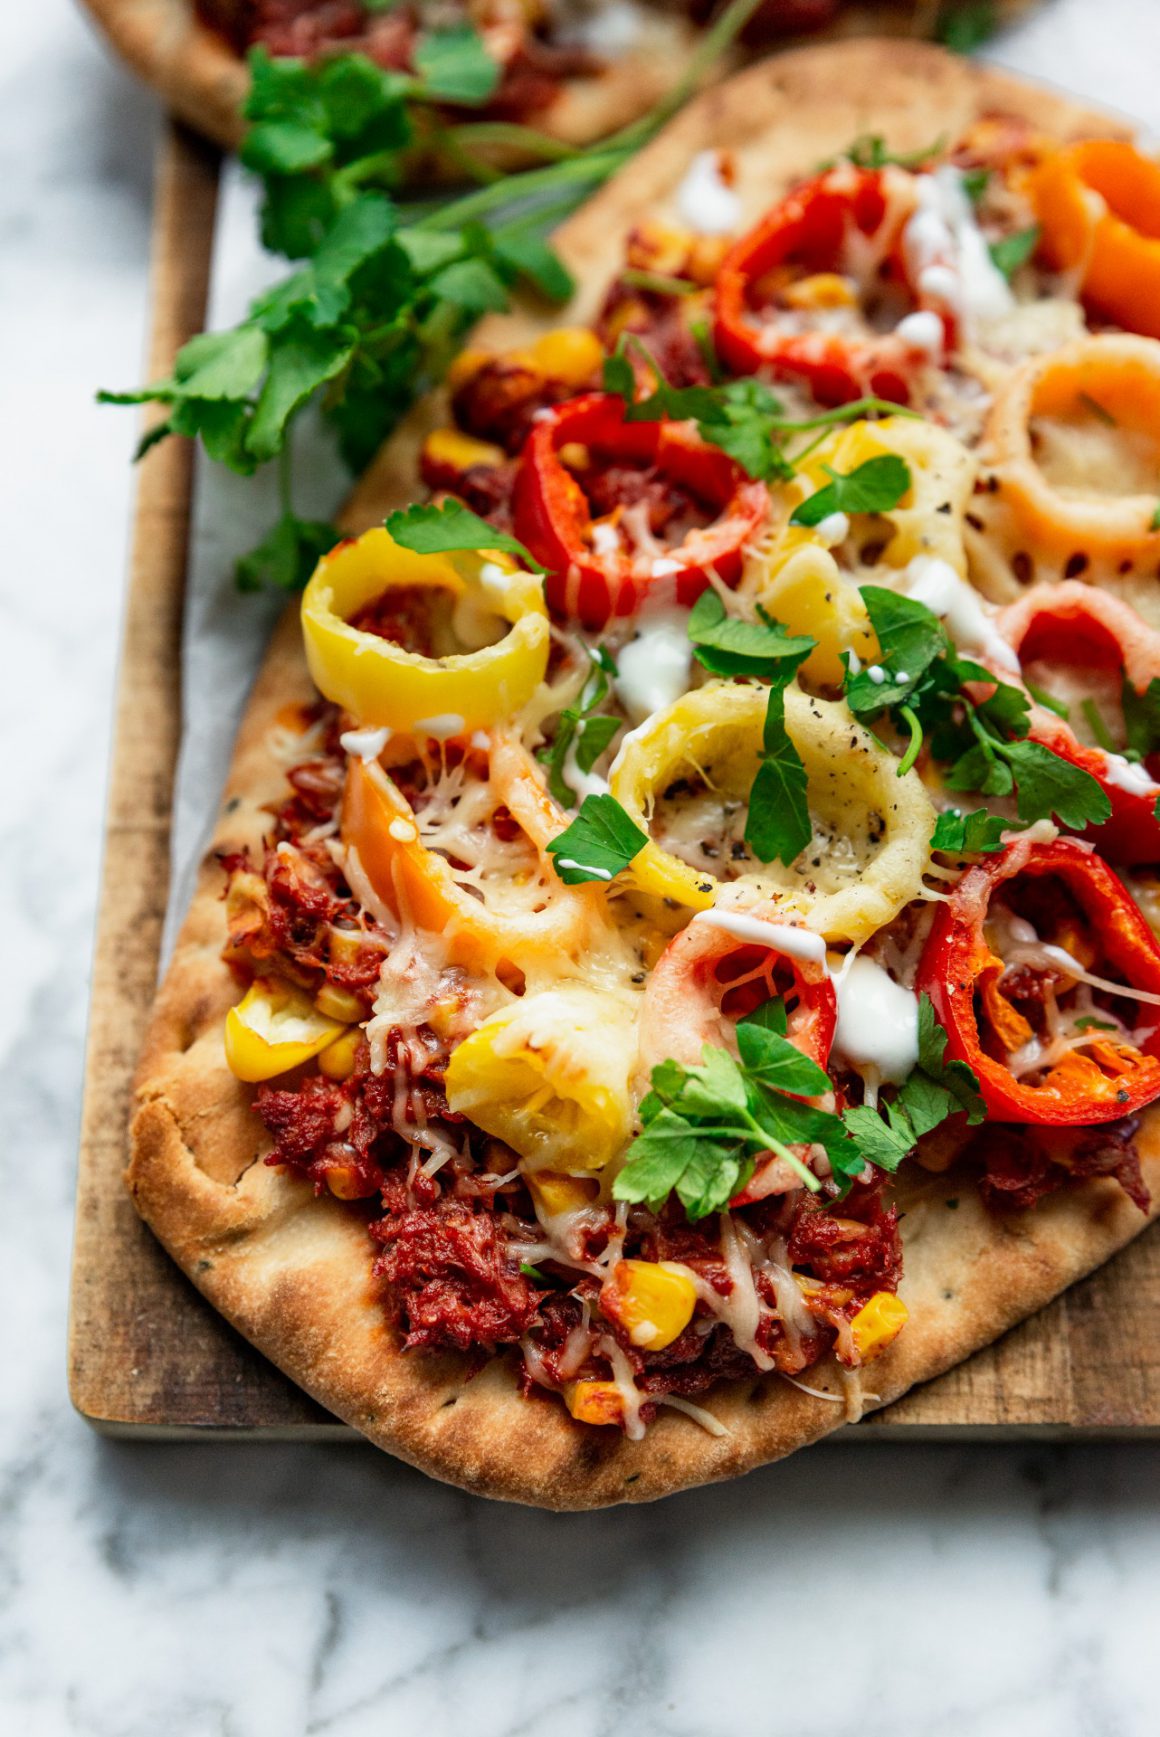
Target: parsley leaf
x,y
778,826
743,424
455,66
704,1125
870,151
965,25
601,841
954,1079
977,831
439,529
287,554
910,637
1013,251
884,1143
729,646
1154,521
578,725
873,487
1047,786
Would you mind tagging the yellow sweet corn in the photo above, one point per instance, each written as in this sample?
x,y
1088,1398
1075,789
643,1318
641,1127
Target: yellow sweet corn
x,y
824,290
592,1401
343,1182
446,446
555,1193
337,1060
338,1003
573,355
877,1323
652,1300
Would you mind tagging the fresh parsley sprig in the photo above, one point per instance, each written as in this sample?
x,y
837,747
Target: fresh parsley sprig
x,y
743,417
582,729
935,1090
920,679
703,1126
729,646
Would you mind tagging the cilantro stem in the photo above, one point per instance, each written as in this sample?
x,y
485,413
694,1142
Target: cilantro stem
x,y
915,728
513,188
768,1143
1097,726
1049,701
659,283
528,140
843,413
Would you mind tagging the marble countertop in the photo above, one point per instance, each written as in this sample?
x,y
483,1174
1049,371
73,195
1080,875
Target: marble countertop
x,y
165,1591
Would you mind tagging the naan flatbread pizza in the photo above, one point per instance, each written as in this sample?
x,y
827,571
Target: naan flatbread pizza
x,y
678,963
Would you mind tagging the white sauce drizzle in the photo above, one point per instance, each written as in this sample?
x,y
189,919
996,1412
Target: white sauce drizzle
x,y
795,943
932,581
877,1021
705,200
654,668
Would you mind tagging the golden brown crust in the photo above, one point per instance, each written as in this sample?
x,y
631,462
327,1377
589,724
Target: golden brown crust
x,y
292,1273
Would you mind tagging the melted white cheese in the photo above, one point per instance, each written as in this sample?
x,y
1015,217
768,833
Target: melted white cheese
x,y
365,744
877,1021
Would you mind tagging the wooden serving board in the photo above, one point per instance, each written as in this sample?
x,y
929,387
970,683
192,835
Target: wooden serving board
x,y
147,1356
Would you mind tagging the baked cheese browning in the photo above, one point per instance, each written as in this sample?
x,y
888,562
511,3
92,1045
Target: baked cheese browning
x,y
625,930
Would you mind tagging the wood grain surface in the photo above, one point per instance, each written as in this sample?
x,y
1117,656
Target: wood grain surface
x,y
147,1357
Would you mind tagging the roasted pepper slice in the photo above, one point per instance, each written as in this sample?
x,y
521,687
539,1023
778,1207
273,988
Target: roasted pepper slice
x,y
1100,1079
527,910
1098,203
812,235
1074,626
273,1028
379,682
639,472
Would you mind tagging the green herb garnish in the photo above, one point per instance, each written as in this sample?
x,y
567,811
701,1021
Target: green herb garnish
x,y
601,841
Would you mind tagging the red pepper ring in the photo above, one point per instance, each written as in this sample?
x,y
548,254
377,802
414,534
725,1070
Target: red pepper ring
x,y
1070,623
553,516
812,227
958,970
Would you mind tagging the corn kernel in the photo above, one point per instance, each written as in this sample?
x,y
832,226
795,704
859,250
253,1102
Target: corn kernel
x,y
877,1323
652,1300
705,256
572,355
660,247
466,366
824,290
446,446
338,1003
554,1193
592,1401
573,456
344,1183
337,1061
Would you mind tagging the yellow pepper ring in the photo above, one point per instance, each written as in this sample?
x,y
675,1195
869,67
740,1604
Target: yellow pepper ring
x,y
273,1028
380,683
871,828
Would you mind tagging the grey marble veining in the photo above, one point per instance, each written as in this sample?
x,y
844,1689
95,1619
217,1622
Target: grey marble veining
x,y
158,1591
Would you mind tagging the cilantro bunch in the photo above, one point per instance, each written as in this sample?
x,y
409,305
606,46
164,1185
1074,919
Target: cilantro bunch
x,y
383,292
